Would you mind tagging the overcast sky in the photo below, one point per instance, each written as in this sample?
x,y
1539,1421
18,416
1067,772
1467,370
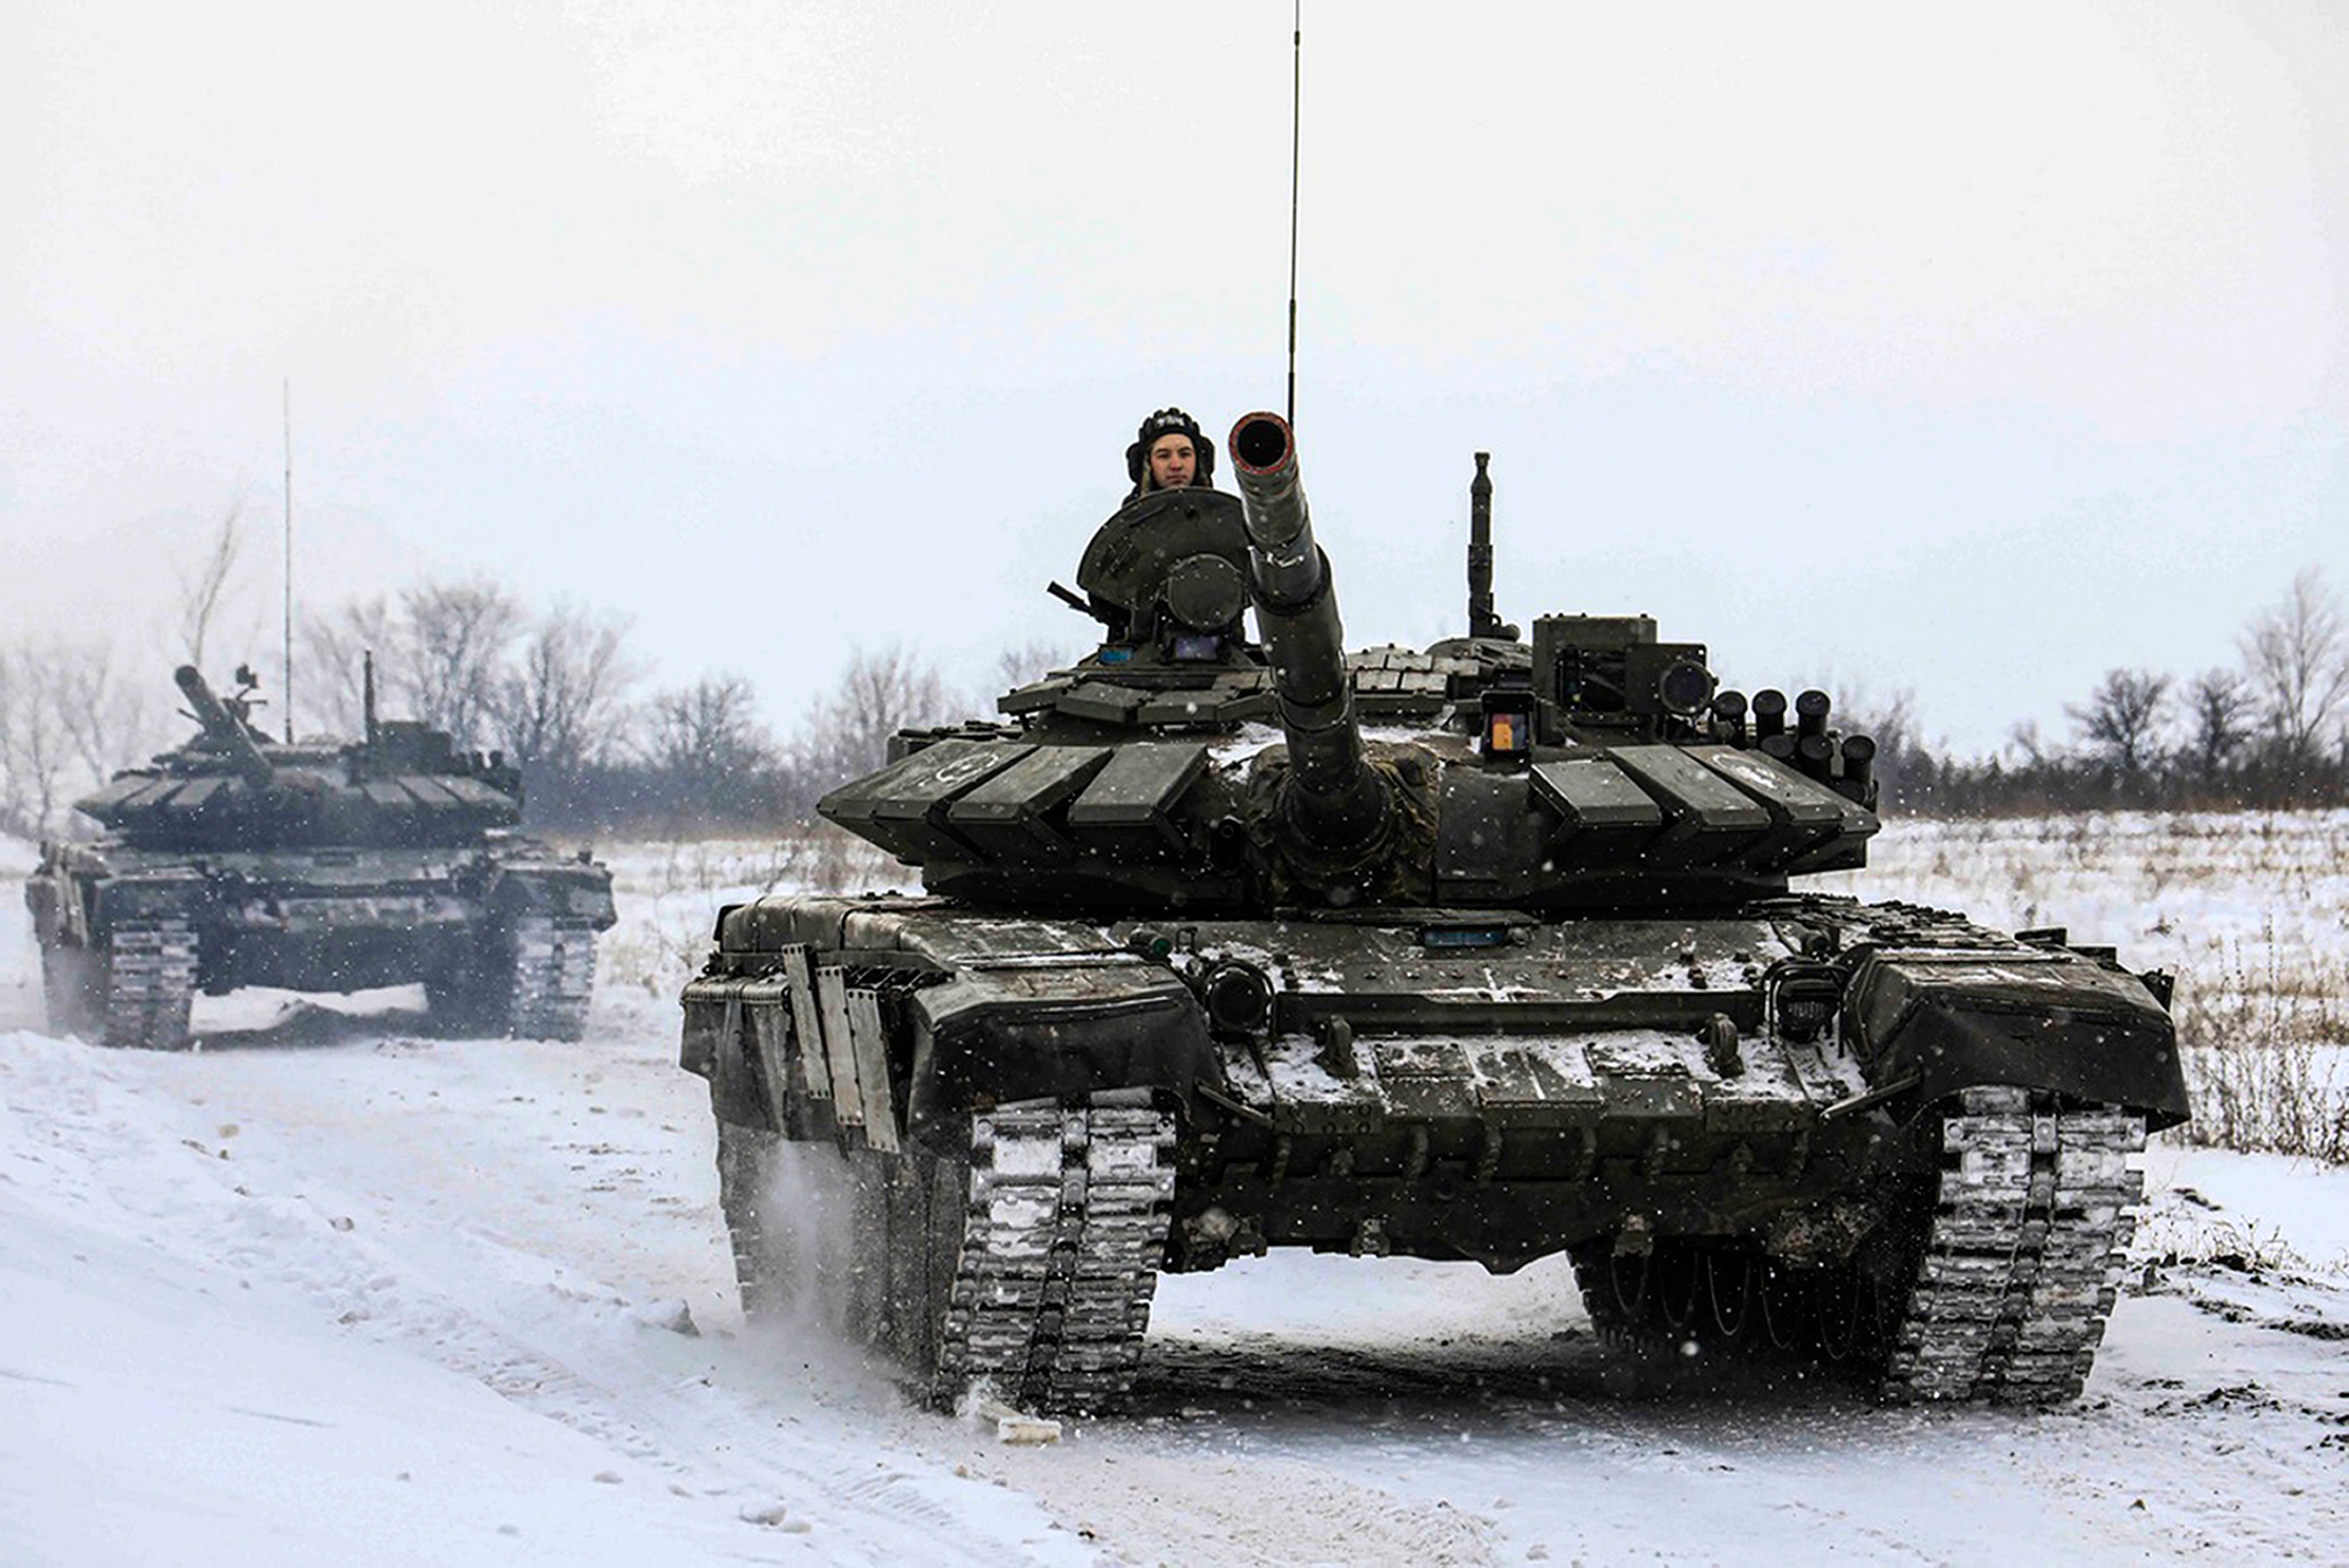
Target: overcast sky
x,y
1974,351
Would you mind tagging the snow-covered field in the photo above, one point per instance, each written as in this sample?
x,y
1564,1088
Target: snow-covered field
x,y
330,1292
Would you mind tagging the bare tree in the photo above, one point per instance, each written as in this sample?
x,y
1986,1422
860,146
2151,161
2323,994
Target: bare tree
x,y
2297,654
2024,736
2123,719
204,583
66,723
564,705
2218,709
879,695
100,714
454,644
334,649
709,746
1024,662
31,751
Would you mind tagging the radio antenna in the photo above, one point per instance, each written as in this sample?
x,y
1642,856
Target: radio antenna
x,y
1296,128
286,691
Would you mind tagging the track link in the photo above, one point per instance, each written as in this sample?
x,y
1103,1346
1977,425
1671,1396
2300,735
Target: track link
x,y
553,977
1059,1253
2024,1255
150,983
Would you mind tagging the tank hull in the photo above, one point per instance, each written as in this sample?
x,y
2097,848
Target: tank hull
x,y
1802,1094
504,939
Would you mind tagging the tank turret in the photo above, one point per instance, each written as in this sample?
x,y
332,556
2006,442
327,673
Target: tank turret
x,y
229,786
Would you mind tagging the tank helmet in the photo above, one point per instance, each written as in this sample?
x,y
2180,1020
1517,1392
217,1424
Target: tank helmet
x,y
1170,422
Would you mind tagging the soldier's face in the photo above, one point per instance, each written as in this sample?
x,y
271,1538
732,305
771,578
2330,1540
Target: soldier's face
x,y
1172,462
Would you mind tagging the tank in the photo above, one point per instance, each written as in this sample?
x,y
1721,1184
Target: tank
x,y
1487,952
235,860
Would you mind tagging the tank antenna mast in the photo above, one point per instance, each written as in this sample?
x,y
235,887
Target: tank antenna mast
x,y
287,388
1296,128
1483,621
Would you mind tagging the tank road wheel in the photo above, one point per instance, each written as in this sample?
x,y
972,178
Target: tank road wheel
x,y
1995,1288
553,969
73,983
148,981
1785,1307
532,981
1730,1294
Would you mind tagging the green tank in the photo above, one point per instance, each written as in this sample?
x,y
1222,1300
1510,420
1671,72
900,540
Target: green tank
x,y
235,860
1482,951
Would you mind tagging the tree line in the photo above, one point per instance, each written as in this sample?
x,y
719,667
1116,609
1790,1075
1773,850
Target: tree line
x,y
559,691
555,689
2271,729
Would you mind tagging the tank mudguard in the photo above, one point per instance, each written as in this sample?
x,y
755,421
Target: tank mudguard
x,y
136,897
2049,1020
45,902
1053,1031
785,1051
581,892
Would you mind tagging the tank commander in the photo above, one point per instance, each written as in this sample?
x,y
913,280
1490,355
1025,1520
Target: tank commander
x,y
1169,452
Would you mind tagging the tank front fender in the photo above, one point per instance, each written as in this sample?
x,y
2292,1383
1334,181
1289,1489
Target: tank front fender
x,y
2042,1020
1053,1031
571,892
137,897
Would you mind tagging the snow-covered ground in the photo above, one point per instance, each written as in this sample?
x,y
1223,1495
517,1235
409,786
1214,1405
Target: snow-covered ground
x,y
330,1292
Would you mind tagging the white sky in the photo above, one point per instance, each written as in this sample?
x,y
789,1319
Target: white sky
x,y
1976,350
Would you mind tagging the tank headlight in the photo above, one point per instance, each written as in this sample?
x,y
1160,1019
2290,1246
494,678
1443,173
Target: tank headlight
x,y
1685,687
1238,998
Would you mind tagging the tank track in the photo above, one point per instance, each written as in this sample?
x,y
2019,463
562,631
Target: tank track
x,y
1026,1270
1059,1253
1995,1289
553,977
150,983
2025,1256
744,1158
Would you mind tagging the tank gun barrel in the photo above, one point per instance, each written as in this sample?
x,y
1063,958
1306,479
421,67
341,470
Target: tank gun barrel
x,y
221,726
1338,801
